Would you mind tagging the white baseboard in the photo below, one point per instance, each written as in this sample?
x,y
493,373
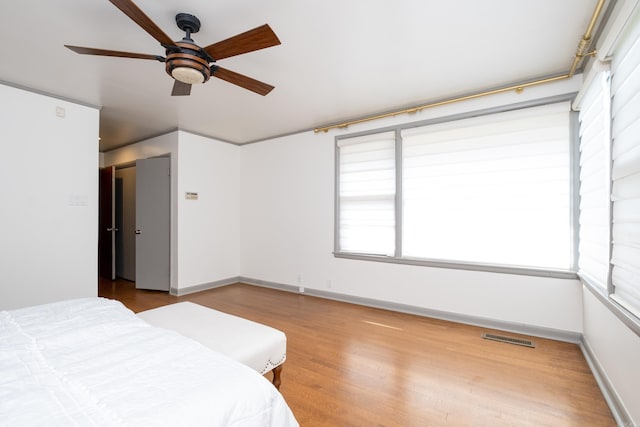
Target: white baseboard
x,y
204,286
518,328
619,411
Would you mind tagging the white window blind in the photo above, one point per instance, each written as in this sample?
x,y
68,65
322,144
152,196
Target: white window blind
x,y
493,189
625,173
595,159
366,194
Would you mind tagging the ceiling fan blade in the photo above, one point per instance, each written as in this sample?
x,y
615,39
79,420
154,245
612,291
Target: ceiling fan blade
x,y
181,89
137,15
256,39
103,52
241,80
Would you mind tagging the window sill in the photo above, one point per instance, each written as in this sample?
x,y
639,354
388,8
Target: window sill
x,y
619,311
491,268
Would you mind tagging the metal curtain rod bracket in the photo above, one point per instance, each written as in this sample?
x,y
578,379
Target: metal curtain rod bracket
x,y
582,51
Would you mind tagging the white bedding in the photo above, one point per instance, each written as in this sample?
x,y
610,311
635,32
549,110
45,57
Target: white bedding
x,y
92,362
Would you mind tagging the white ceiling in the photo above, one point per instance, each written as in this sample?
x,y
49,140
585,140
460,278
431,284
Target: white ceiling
x,y
338,59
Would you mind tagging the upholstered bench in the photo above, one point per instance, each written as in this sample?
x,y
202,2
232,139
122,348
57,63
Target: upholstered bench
x,y
258,346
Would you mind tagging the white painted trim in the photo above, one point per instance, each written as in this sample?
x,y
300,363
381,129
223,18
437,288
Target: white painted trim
x,y
593,69
491,268
622,12
518,328
204,286
624,315
619,411
50,95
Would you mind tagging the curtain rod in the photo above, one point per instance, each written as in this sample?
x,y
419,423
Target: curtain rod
x,y
581,52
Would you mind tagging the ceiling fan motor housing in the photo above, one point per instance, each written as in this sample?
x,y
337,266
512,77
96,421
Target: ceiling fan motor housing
x,y
188,64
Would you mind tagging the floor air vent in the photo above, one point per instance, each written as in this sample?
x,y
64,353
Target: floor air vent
x,y
509,340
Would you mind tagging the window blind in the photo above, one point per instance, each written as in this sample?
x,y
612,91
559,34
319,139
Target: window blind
x,y
625,172
366,194
492,189
594,247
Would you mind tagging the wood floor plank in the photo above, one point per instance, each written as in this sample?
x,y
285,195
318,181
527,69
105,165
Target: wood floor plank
x,y
349,365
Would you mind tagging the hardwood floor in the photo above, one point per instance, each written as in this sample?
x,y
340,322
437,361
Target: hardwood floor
x,y
349,365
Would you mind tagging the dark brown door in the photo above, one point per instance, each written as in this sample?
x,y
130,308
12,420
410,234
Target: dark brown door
x,y
106,223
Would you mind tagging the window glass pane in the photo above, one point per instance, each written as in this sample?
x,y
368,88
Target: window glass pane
x,y
594,246
367,194
493,189
625,169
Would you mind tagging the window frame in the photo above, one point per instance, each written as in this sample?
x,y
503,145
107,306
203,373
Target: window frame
x,y
627,49
602,286
605,291
466,265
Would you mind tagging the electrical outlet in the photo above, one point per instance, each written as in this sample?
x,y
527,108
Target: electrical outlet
x,y
299,278
301,289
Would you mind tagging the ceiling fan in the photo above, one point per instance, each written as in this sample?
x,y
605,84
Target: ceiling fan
x,y
187,62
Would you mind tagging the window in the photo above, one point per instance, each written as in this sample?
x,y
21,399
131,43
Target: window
x,y
595,182
493,190
610,179
625,170
367,194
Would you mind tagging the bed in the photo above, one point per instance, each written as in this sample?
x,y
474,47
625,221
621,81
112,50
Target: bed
x,y
93,362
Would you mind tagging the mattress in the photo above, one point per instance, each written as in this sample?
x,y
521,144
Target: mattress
x,y
93,362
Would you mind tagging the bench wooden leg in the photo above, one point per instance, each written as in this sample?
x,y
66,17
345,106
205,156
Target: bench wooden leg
x,y
276,376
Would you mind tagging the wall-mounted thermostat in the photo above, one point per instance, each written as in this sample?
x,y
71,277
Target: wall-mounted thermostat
x,y
190,195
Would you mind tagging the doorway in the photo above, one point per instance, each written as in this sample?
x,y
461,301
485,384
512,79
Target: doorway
x,y
106,224
125,212
135,241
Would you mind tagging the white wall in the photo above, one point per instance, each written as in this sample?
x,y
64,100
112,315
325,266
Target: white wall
x,y
208,245
49,194
617,351
615,347
204,246
287,231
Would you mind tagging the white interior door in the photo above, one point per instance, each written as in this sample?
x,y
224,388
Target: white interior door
x,y
153,223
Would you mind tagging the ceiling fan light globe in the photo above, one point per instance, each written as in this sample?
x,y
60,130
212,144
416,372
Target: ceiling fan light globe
x,y
187,75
